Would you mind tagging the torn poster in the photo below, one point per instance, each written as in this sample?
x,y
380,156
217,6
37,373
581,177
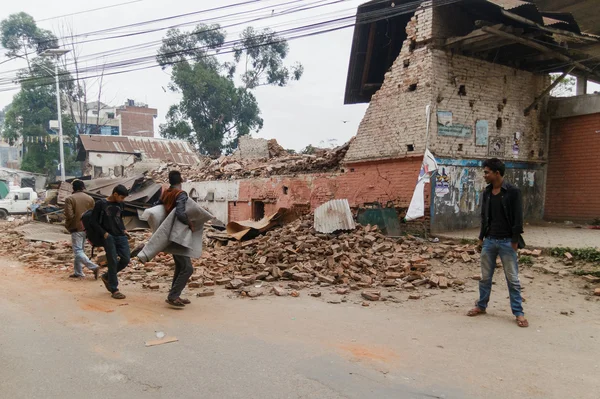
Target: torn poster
x,y
416,209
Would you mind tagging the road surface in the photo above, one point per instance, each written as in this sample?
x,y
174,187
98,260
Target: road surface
x,y
69,339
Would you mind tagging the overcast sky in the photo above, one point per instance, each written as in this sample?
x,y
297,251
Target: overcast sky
x,y
309,111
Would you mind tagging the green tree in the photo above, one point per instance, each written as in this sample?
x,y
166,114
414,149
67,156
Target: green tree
x,y
214,112
22,38
33,107
565,87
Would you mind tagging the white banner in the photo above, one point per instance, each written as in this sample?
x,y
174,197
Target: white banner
x,y
416,209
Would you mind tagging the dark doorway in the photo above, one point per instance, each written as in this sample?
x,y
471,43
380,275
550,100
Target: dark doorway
x,y
258,210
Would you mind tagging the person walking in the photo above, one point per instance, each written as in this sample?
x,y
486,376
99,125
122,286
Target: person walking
x,y
75,206
107,219
500,235
174,198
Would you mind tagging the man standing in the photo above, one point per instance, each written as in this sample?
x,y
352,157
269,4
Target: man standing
x,y
107,219
75,206
501,228
175,198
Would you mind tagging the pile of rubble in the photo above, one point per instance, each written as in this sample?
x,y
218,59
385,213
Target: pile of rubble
x,y
280,162
282,262
362,259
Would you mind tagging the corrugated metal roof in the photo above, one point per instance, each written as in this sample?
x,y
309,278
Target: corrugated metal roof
x,y
177,151
333,216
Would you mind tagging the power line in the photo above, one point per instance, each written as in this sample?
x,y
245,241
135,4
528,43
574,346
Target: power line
x,y
88,11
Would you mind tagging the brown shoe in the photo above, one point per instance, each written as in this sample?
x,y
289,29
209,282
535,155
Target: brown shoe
x,y
118,295
175,302
185,301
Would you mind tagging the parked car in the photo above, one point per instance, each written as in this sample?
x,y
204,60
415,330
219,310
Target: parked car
x,y
18,201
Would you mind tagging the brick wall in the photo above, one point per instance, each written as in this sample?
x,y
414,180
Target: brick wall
x,y
396,116
573,178
493,92
395,123
359,183
137,121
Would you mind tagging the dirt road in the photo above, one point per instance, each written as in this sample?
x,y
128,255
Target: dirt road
x,y
67,339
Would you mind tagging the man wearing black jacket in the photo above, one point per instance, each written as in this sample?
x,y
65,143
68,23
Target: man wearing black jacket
x,y
107,218
500,235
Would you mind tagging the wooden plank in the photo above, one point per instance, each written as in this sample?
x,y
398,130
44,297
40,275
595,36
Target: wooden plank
x,y
365,76
537,46
165,340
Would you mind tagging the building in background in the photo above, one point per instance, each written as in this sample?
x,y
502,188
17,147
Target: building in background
x,y
137,119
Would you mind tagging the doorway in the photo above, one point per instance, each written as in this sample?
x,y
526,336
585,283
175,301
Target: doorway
x,y
258,210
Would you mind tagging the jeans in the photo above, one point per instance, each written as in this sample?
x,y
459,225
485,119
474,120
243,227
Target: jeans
x,y
491,249
117,257
183,272
81,259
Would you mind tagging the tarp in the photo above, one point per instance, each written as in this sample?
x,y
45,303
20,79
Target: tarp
x,y
416,209
172,236
250,228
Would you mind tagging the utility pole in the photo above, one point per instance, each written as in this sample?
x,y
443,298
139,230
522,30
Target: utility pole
x,y
56,53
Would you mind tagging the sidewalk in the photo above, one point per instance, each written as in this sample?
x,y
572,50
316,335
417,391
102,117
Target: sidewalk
x,y
543,236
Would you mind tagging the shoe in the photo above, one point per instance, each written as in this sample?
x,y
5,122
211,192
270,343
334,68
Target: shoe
x,y
185,301
76,276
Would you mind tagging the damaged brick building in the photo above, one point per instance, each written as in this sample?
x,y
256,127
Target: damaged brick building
x,y
481,69
467,79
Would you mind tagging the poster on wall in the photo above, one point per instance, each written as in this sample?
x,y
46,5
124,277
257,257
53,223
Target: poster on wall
x,y
481,133
515,144
444,118
442,183
497,146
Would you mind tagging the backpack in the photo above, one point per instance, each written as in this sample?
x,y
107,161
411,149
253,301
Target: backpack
x,y
95,237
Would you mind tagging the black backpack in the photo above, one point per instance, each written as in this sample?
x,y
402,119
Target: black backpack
x,y
95,237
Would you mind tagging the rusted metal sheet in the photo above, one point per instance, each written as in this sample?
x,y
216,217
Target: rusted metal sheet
x,y
177,151
333,216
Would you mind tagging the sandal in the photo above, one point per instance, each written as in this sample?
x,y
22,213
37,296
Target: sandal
x,y
476,312
185,301
523,323
178,303
118,295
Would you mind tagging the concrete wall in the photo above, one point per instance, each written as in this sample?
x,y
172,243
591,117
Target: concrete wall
x,y
100,164
457,191
214,196
250,148
573,178
565,107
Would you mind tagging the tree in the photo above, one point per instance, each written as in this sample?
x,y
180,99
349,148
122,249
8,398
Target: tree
x,y
214,112
22,38
565,87
34,105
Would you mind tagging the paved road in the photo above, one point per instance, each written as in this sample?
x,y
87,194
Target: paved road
x,y
74,342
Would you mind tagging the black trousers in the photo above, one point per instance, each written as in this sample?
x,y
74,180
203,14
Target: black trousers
x,y
183,272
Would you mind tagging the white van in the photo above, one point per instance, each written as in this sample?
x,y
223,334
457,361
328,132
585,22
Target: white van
x,y
18,201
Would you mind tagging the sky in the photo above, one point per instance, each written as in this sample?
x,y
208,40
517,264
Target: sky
x,y
309,111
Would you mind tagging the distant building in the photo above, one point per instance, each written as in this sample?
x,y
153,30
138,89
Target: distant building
x,y
116,156
137,119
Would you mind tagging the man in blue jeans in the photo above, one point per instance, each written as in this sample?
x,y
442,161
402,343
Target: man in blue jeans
x,y
107,218
501,229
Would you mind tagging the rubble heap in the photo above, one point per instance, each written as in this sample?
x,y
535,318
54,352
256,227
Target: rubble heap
x,y
360,259
280,163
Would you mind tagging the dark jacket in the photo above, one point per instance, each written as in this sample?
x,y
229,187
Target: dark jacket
x,y
513,210
107,217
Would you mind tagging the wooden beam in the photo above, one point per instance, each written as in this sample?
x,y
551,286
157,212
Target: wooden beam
x,y
365,75
537,46
555,31
474,36
547,91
